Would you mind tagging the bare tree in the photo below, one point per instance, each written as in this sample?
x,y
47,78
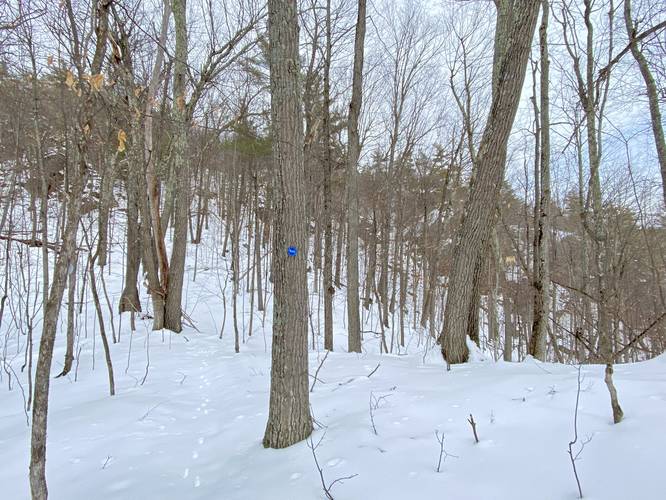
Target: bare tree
x,y
66,256
353,317
515,28
541,268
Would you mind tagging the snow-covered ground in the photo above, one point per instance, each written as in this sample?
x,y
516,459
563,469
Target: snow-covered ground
x,y
193,429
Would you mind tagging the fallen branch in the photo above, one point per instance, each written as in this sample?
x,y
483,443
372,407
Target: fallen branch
x,y
373,371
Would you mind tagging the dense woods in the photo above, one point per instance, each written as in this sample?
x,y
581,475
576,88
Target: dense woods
x,y
489,173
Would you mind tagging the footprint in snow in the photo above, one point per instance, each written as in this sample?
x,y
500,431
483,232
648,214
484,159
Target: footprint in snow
x,y
195,455
201,440
335,462
295,475
186,473
197,482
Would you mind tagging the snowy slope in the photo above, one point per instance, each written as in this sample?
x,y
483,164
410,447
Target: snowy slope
x,y
193,430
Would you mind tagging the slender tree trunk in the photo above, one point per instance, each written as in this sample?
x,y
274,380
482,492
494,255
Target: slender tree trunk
x,y
537,347
69,351
180,173
65,258
151,180
328,171
289,419
257,245
129,299
652,93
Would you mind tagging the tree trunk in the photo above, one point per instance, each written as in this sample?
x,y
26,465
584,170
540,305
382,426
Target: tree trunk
x,y
537,347
129,299
652,92
479,210
181,175
328,170
65,258
289,419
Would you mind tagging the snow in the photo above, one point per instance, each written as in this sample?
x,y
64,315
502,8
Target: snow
x,y
193,429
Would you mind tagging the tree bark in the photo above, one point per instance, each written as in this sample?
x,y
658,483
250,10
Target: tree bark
x,y
289,419
180,175
541,279
478,217
328,171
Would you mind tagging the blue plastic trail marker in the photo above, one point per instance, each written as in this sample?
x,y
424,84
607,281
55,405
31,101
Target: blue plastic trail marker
x,y
292,251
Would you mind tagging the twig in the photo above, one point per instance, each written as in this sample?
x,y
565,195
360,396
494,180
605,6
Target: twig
x,y
317,372
189,320
575,439
373,371
149,410
638,337
374,405
473,424
326,488
442,451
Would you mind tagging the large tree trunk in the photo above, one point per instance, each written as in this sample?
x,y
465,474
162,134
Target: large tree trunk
x,y
478,218
289,419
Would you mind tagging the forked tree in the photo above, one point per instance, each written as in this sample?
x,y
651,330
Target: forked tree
x,y
516,20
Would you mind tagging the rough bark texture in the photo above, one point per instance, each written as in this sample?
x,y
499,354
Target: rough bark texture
x,y
477,220
537,347
129,299
180,175
289,419
152,183
69,352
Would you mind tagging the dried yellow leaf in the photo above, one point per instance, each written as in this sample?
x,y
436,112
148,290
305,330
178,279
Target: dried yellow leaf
x,y
69,80
49,60
122,137
96,82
